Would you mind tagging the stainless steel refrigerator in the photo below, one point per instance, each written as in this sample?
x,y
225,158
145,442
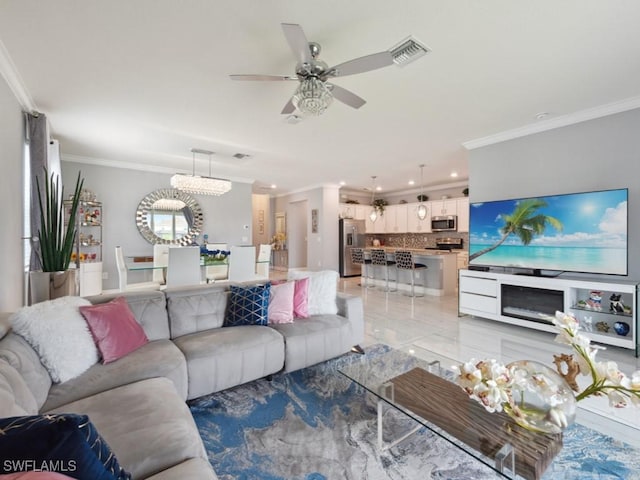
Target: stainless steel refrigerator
x,y
351,234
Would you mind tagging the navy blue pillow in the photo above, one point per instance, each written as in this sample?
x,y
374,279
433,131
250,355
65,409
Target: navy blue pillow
x,y
62,443
248,305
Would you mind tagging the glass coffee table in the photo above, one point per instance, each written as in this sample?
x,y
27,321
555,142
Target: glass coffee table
x,y
423,390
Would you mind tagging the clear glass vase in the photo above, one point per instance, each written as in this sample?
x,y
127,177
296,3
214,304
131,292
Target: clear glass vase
x,y
542,401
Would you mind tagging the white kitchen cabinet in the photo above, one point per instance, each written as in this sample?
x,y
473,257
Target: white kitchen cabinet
x,y
463,214
361,211
346,210
396,218
444,207
414,224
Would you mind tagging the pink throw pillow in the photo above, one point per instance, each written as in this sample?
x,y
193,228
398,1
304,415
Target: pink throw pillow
x,y
281,303
114,328
301,298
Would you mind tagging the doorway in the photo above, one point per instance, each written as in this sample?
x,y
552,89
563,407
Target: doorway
x,y
297,225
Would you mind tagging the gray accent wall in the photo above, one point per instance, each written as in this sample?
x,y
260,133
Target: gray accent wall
x,y
598,154
11,153
227,218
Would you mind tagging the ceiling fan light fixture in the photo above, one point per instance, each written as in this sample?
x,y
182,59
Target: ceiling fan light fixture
x,y
312,97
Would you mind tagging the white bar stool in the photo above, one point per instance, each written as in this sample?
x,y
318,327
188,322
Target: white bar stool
x,y
404,261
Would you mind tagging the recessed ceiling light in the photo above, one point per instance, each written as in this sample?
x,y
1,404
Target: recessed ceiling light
x,y
273,185
343,183
411,182
378,188
541,115
454,174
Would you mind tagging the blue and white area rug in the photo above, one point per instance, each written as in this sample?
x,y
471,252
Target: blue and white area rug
x,y
315,424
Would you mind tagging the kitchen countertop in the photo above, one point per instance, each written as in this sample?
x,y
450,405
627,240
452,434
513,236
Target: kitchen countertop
x,y
416,251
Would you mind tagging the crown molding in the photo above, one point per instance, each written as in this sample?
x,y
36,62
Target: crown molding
x,y
14,80
557,122
137,166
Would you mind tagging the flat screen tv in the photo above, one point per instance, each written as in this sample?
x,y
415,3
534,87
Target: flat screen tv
x,y
578,232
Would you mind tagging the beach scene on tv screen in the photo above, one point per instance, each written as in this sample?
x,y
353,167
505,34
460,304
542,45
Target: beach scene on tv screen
x,y
581,232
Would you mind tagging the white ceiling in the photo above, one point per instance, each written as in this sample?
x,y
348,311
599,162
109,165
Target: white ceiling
x,y
142,82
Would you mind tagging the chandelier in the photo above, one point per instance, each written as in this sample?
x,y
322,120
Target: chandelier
x,y
422,208
373,215
312,96
198,185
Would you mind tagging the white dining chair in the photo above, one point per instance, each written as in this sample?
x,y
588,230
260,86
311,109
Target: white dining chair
x,y
183,267
264,261
160,259
123,285
242,263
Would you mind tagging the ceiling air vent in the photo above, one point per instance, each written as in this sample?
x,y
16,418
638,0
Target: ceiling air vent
x,y
241,156
407,51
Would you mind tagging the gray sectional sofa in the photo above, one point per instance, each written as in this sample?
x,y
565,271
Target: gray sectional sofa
x,y
138,402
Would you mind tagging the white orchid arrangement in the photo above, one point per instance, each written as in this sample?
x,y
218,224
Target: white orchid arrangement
x,y
493,384
606,378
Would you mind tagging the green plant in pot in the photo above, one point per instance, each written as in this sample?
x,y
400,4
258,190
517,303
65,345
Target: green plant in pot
x,y
56,240
379,204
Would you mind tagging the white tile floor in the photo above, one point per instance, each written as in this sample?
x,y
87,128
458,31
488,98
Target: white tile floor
x,y
431,324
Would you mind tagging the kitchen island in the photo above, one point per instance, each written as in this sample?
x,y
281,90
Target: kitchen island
x,y
441,272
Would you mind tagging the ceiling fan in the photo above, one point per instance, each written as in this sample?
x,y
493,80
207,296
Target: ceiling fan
x,y
315,93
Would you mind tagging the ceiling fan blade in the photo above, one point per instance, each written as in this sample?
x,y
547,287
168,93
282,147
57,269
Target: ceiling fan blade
x,y
298,42
361,64
264,78
288,108
346,97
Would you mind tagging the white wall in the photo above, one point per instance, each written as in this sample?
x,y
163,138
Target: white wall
x,y
227,218
321,247
11,152
598,154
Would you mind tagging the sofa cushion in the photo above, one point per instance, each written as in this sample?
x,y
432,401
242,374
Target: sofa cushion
x,y
248,305
281,303
323,287
316,339
59,334
147,425
64,443
225,357
20,355
193,309
149,307
114,328
301,298
160,358
15,397
192,469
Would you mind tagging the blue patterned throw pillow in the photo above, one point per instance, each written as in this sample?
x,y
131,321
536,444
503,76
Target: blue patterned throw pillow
x,y
64,443
248,305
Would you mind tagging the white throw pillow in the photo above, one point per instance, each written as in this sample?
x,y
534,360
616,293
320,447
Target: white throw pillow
x,y
323,288
59,333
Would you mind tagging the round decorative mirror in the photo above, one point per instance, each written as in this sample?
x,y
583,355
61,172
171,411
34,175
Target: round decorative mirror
x,y
169,216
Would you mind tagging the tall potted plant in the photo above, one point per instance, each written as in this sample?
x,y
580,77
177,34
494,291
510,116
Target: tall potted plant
x,y
56,240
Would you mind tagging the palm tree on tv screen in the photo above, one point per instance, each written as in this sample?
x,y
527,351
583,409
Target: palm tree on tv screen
x,y
524,222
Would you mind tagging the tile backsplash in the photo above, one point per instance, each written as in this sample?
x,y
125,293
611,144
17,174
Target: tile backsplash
x,y
415,240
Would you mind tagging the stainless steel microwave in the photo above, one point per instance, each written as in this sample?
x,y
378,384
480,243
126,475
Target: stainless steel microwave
x,y
445,223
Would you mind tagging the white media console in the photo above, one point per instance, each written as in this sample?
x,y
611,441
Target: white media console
x,y
524,300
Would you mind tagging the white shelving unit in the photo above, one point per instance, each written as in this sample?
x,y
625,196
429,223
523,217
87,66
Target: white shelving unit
x,y
520,300
87,254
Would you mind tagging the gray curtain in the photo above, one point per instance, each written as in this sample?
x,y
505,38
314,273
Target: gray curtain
x,y
36,133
